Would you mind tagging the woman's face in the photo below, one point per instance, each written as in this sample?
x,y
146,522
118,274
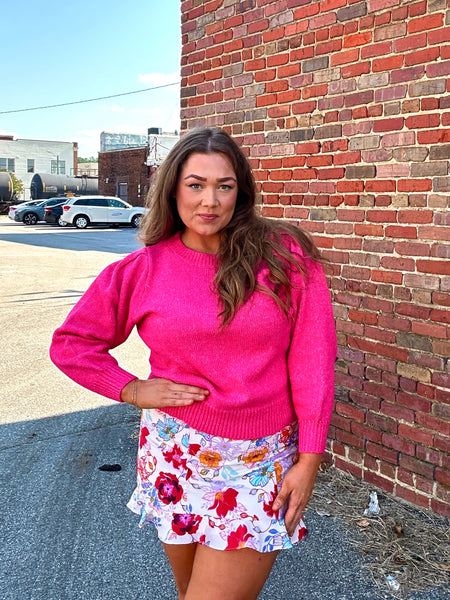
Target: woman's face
x,y
206,194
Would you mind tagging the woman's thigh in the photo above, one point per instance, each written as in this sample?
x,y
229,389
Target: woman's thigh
x,y
228,574
181,559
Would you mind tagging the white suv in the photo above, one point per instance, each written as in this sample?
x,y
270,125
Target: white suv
x,y
82,211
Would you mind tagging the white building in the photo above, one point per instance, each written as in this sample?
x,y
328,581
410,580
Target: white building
x,y
24,158
159,145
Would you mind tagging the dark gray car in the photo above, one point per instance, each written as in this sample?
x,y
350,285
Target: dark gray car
x,y
31,214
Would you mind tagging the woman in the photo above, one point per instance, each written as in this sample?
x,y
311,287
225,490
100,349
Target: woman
x,y
237,315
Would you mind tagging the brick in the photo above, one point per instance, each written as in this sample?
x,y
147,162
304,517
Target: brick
x,y
429,329
412,496
416,403
407,74
417,342
378,451
416,466
388,124
349,439
315,64
425,23
360,172
433,266
412,249
426,121
433,169
433,424
441,184
361,98
398,444
422,57
381,482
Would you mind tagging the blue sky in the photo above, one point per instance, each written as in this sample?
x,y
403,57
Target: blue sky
x,y
55,52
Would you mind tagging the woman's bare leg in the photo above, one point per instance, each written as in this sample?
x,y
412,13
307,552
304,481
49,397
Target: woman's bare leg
x,y
181,559
228,574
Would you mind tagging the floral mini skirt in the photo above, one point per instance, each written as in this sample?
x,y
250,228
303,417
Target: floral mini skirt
x,y
196,487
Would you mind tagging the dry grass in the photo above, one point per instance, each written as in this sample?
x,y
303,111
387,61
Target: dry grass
x,y
408,543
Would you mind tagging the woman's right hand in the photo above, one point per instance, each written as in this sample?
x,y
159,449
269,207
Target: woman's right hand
x,y
160,393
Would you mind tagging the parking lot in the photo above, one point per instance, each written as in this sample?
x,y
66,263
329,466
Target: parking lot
x,y
65,532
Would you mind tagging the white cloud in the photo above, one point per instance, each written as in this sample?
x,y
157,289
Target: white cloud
x,y
159,78
88,142
114,108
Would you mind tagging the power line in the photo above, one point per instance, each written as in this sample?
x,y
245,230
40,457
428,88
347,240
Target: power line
x,y
7,112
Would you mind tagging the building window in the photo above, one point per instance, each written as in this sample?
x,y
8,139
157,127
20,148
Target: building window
x,y
30,165
8,164
58,167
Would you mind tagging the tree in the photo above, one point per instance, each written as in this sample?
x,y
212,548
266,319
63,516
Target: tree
x,y
18,187
91,159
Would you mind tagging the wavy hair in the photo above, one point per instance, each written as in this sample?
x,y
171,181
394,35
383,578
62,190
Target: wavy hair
x,y
247,241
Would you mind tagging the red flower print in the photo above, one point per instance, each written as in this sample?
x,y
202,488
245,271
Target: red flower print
x,y
174,456
185,523
224,502
143,437
237,538
285,435
146,465
303,532
169,488
268,506
193,449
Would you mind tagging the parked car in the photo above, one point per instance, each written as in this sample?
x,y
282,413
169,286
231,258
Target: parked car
x,y
30,214
14,207
53,215
109,210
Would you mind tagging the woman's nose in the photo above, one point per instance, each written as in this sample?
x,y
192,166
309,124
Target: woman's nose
x,y
209,197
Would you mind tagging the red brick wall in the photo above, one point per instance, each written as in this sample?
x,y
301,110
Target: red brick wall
x,y
124,166
343,109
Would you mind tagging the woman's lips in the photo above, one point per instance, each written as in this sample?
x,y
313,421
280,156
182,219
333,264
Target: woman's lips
x,y
208,218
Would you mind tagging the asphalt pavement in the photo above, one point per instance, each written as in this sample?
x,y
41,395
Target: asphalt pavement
x,y
65,532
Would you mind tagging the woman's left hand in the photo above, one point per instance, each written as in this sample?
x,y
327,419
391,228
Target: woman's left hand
x,y
297,488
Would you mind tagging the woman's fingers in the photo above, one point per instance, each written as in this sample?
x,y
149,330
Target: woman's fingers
x,y
189,392
159,393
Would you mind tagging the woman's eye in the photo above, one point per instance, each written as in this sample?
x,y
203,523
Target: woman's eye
x,y
194,186
225,187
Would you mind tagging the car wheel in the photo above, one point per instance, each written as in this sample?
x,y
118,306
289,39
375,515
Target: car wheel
x,y
136,221
81,222
30,219
62,223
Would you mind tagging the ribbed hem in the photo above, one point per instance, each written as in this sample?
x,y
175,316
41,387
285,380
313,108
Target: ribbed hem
x,y
112,384
198,259
238,424
312,436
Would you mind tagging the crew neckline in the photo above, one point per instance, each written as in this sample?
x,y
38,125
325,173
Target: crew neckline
x,y
194,257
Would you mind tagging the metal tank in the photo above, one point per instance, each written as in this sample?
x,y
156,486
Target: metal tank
x,y
46,185
6,187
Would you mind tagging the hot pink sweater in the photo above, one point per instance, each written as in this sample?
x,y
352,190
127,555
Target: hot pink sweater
x,y
263,371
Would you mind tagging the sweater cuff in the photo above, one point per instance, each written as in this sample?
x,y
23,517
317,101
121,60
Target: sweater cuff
x,y
112,382
312,436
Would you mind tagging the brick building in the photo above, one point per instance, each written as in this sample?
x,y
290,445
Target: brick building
x,y
343,108
124,173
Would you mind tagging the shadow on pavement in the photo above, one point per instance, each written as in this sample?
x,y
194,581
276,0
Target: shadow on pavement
x,y
118,241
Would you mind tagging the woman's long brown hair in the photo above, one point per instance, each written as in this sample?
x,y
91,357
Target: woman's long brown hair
x,y
246,242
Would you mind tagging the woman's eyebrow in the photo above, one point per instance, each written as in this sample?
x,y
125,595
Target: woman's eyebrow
x,y
220,180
